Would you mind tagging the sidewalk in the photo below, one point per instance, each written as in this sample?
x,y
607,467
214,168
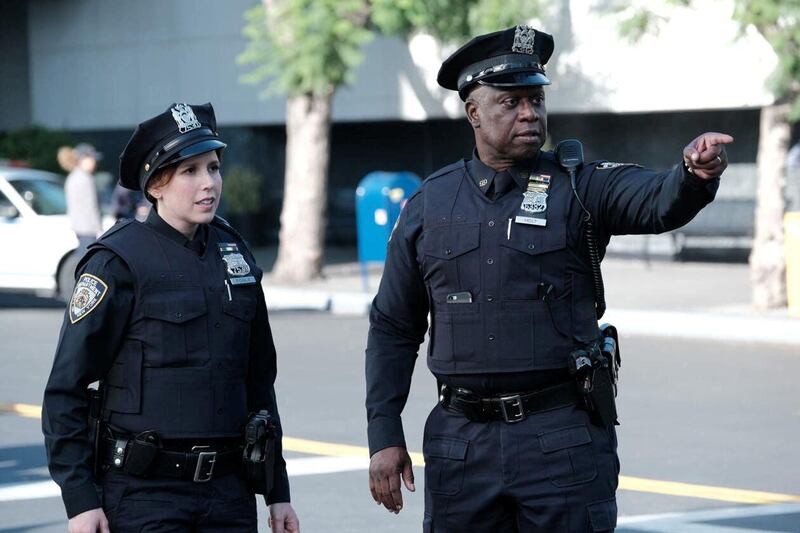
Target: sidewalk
x,y
661,298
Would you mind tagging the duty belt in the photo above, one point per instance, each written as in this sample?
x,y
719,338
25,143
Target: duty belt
x,y
200,464
509,408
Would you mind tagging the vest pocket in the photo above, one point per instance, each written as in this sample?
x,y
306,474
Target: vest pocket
x,y
456,332
448,263
239,314
123,383
177,329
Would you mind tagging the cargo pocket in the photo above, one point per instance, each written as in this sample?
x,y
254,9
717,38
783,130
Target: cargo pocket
x,y
603,515
569,456
177,328
123,383
444,464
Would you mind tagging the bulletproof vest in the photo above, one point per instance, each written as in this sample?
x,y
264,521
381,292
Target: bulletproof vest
x,y
181,369
502,297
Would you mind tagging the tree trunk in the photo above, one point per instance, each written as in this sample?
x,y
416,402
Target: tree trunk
x,y
768,258
308,120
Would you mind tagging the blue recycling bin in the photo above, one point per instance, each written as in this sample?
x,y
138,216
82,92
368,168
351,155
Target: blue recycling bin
x,y
379,198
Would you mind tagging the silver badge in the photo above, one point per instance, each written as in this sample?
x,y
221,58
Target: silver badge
x,y
483,182
523,39
185,118
87,295
534,202
236,265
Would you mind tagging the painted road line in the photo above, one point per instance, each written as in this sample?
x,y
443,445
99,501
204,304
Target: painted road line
x,y
635,484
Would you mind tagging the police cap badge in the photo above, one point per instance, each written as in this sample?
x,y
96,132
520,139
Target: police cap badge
x,y
180,132
514,57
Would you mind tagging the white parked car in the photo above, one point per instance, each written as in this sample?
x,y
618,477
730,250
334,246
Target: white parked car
x,y
36,242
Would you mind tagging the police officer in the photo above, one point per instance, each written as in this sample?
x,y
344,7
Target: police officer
x,y
169,316
495,248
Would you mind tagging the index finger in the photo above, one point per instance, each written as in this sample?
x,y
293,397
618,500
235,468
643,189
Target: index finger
x,y
713,138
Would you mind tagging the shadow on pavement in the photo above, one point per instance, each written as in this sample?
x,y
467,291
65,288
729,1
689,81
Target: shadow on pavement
x,y
23,464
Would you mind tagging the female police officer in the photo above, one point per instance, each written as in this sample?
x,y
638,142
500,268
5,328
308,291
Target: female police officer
x,y
169,316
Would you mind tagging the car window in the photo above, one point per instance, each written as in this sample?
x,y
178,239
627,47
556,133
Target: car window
x,y
45,197
7,209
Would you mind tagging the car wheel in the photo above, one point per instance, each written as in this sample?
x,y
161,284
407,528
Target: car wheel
x,y
66,277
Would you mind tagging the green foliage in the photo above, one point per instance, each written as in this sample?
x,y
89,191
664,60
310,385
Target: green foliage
x,y
778,21
305,46
36,145
314,46
242,190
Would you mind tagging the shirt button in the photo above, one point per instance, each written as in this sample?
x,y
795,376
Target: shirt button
x,y
219,411
491,337
179,315
448,251
531,246
490,261
491,223
218,325
490,298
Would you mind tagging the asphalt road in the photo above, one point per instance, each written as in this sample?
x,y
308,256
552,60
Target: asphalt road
x,y
697,413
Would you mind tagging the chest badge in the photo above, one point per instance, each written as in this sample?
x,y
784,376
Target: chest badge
x,y
87,295
236,266
533,209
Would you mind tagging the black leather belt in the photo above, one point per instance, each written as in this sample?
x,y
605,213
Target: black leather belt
x,y
509,408
200,464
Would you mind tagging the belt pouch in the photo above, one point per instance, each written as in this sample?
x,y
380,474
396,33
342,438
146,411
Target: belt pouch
x,y
142,454
602,397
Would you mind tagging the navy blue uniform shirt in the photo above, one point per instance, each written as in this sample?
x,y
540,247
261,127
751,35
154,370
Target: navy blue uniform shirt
x,y
623,199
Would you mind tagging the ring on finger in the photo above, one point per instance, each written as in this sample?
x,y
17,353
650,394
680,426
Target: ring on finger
x,y
719,159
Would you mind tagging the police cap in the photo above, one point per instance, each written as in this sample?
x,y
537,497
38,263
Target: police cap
x,y
180,132
514,57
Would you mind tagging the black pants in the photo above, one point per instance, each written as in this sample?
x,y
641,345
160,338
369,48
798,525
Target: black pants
x,y
555,471
165,505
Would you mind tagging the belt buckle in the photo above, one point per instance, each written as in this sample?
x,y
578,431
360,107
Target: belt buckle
x,y
511,407
205,460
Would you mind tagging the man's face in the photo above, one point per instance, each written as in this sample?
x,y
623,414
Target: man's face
x,y
510,124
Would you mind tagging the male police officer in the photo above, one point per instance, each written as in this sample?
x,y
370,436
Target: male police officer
x,y
495,249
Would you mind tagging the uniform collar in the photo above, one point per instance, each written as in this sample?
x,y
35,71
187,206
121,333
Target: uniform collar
x,y
198,243
484,175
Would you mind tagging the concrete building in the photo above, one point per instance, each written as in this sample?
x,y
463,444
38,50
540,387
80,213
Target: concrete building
x,y
98,67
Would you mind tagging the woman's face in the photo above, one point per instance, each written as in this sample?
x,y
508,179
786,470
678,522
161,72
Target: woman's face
x,y
192,195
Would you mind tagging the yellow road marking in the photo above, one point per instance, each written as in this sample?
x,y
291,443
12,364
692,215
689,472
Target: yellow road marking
x,y
636,484
22,409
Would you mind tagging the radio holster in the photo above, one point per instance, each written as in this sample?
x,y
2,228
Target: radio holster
x,y
258,457
596,370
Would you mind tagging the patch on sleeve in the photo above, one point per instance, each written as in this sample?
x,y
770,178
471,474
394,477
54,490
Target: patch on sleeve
x,y
88,293
608,165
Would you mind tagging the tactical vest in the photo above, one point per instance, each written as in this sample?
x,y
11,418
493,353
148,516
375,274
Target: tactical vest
x,y
515,321
181,369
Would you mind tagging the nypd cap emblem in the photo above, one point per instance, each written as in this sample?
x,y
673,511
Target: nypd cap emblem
x,y
87,295
185,118
524,36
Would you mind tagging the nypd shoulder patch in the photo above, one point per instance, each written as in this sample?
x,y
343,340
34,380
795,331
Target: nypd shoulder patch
x,y
89,292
